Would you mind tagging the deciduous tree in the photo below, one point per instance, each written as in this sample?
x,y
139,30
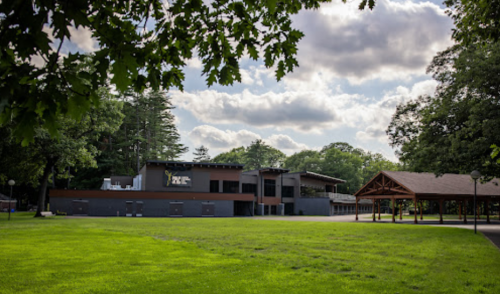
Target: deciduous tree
x,y
145,43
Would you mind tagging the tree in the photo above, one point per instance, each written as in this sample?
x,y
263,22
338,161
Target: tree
x,y
145,43
476,21
255,156
453,130
259,155
201,154
346,166
235,155
343,161
147,132
306,160
72,147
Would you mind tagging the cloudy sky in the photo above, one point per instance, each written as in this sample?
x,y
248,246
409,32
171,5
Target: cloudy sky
x,y
355,67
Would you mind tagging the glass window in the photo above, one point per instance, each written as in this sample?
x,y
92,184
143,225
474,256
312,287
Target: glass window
x,y
288,191
269,188
249,188
231,186
214,186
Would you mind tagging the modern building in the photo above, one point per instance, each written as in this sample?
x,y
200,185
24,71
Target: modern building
x,y
165,188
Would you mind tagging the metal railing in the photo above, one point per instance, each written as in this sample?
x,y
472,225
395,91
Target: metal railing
x,y
337,197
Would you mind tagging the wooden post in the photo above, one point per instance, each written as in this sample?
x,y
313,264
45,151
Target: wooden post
x,y
356,208
459,210
373,209
393,219
400,210
415,210
487,208
441,211
379,209
465,211
421,212
478,210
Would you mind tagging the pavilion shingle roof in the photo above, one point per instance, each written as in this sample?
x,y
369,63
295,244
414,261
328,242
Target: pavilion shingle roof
x,y
447,184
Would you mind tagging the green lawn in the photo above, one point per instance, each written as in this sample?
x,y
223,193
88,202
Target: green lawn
x,y
240,255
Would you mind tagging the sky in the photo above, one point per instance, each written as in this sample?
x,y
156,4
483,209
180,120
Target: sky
x,y
355,68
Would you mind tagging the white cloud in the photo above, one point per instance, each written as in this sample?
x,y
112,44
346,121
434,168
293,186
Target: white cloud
x,y
218,139
307,111
246,78
302,111
194,62
285,144
395,41
376,117
82,38
37,61
223,141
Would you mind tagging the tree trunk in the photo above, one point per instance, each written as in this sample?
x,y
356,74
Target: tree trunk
x,y
43,188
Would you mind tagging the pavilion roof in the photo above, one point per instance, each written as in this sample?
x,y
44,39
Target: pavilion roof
x,y
421,184
428,183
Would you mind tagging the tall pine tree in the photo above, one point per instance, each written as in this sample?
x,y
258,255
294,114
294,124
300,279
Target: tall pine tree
x,y
201,154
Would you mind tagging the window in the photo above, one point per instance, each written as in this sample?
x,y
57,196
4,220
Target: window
x,y
231,186
214,186
288,191
249,188
269,188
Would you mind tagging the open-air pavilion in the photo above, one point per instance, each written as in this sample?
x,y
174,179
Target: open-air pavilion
x,y
418,187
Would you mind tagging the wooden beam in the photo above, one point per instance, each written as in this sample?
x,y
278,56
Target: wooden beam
x,y
379,209
393,219
415,210
373,209
387,196
421,210
441,211
465,211
398,191
487,208
356,208
459,210
400,210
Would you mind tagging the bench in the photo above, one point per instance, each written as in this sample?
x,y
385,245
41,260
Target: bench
x,y
47,213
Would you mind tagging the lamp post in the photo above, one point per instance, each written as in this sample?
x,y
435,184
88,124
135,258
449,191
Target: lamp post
x,y
11,184
475,175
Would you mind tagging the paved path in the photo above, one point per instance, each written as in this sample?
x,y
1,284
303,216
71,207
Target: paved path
x,y
491,231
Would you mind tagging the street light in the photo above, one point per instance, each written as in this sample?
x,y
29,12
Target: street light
x,y
475,175
11,184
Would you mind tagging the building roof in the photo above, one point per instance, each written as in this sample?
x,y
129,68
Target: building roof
x,y
428,183
311,175
196,164
271,170
3,197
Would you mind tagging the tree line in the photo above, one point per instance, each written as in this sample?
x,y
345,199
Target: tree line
x,y
115,138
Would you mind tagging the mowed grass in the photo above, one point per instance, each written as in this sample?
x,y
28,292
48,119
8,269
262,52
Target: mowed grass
x,y
240,255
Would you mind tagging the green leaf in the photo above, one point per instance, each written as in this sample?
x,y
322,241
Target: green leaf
x,y
120,76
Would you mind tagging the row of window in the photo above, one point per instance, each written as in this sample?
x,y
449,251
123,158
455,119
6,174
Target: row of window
x,y
233,187
227,186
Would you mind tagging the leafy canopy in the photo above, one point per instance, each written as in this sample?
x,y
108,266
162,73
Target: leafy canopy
x,y
453,130
144,42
